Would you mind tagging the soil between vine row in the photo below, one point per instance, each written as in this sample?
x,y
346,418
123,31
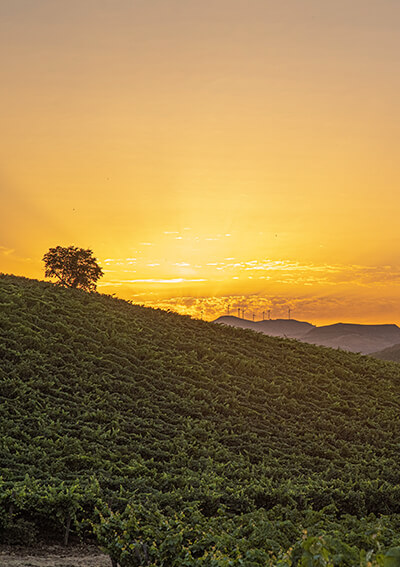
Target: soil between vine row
x,y
53,556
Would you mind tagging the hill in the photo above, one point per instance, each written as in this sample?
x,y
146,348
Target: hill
x,y
353,337
289,328
197,442
389,353
363,339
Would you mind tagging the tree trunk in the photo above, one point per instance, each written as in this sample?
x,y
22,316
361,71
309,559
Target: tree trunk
x,y
11,507
113,562
67,528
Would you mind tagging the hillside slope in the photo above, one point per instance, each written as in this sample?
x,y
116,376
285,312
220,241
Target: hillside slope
x,y
289,328
389,353
354,337
364,339
172,411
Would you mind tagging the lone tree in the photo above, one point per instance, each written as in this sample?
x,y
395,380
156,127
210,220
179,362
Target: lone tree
x,y
73,267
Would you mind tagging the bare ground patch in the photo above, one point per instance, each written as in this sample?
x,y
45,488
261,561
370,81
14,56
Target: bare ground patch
x,y
53,556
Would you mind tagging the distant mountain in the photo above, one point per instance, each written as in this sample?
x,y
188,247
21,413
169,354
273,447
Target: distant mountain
x,y
285,327
353,337
389,353
273,327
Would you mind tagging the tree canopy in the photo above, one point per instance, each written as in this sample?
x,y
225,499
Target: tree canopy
x,y
72,267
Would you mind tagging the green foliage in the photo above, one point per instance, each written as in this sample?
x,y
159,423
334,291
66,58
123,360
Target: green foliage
x,y
72,267
392,557
220,445
143,536
30,504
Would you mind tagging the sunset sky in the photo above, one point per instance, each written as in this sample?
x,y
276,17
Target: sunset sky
x,y
210,153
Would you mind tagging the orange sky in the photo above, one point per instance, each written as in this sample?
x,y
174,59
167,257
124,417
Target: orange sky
x,y
210,153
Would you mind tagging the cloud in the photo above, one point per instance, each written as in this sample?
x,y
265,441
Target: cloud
x,y
277,271
11,258
291,272
314,292
315,309
6,251
156,280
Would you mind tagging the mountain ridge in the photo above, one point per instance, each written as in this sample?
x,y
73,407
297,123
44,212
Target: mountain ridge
x,y
275,327
354,337
389,353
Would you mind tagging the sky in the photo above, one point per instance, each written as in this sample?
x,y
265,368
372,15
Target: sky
x,y
214,155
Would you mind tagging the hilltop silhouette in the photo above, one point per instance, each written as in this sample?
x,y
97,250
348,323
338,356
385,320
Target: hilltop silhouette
x,y
273,327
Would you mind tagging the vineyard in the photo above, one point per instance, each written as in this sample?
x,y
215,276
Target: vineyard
x,y
177,442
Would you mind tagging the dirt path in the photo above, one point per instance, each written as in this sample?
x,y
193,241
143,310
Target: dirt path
x,y
53,557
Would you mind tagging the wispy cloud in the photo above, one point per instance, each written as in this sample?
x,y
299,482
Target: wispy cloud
x,y
291,272
11,256
153,280
281,271
6,251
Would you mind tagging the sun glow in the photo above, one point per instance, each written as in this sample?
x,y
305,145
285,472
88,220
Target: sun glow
x,y
248,154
